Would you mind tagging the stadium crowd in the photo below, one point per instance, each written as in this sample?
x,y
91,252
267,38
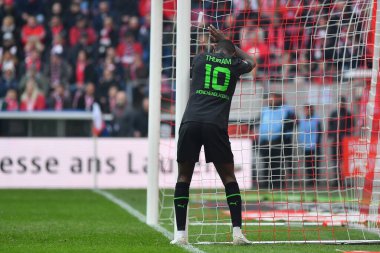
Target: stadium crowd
x,y
313,39
67,54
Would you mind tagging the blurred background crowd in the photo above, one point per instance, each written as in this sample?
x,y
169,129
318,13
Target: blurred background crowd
x,y
60,55
317,40
67,54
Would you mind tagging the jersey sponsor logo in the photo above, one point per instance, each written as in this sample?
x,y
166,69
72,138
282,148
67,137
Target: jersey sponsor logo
x,y
212,93
227,61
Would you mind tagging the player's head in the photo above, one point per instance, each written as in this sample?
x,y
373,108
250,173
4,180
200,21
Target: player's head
x,y
342,102
308,110
275,99
226,47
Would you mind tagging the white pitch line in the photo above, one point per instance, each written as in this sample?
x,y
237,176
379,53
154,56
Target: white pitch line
x,y
132,211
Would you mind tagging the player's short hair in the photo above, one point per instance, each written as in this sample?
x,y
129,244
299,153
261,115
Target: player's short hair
x,y
226,46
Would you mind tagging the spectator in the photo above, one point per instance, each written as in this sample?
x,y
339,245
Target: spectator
x,y
84,70
84,101
341,125
7,81
32,99
144,38
58,45
58,71
141,120
59,99
73,15
102,14
276,125
123,117
108,36
252,42
32,30
309,139
112,63
38,77
287,136
127,50
79,29
8,59
32,60
9,33
244,15
137,69
275,47
85,7
291,13
267,9
8,9
82,45
111,100
9,45
105,83
231,28
10,102
318,42
56,10
137,75
134,26
143,7
56,28
124,25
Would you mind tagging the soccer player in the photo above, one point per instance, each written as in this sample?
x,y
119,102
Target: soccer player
x,y
205,122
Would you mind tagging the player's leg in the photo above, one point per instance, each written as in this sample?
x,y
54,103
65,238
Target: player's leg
x,y
218,151
189,145
227,175
233,197
181,193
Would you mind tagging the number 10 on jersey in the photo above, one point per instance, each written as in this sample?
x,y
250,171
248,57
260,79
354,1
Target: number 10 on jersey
x,y
214,72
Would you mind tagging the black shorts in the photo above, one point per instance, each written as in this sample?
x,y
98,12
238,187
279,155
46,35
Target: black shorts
x,y
193,135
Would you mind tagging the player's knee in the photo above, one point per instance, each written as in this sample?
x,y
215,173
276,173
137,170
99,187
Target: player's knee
x,y
184,178
185,171
229,178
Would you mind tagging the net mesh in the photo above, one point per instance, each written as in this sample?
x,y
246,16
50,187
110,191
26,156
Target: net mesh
x,y
299,124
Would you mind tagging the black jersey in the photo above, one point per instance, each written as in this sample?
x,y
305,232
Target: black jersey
x,y
214,78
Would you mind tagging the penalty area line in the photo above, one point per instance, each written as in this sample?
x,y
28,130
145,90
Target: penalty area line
x,y
132,211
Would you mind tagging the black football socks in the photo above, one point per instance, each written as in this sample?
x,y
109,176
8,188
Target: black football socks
x,y
234,203
181,199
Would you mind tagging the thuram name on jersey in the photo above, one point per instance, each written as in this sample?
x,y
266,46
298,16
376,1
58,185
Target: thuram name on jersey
x,y
226,61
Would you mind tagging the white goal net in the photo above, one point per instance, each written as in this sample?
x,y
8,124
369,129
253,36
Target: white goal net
x,y
304,126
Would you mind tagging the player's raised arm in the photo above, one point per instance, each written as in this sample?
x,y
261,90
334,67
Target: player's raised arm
x,y
217,35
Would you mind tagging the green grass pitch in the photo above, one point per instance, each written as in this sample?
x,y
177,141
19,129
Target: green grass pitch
x,y
83,221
